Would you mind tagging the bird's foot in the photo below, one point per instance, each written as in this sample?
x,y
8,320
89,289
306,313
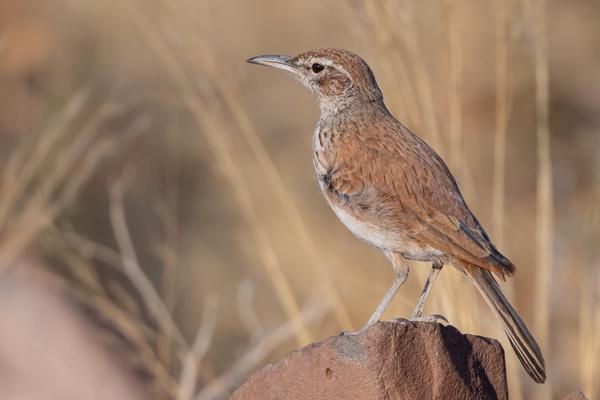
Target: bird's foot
x,y
440,319
401,320
421,318
358,332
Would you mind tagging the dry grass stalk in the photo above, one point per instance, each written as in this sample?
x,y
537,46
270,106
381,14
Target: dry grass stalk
x,y
132,268
135,331
168,253
502,100
214,131
189,369
210,127
120,311
455,125
545,218
420,68
142,336
43,178
502,18
589,343
589,306
235,109
234,376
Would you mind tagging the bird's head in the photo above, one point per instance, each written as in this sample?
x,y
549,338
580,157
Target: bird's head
x,y
336,77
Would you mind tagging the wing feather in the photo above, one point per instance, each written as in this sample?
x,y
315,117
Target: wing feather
x,y
415,187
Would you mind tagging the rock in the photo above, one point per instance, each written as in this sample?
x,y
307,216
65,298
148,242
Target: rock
x,y
391,360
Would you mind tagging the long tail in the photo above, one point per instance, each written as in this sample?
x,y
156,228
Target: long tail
x,y
521,340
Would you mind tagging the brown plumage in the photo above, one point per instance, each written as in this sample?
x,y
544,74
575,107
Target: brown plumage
x,y
392,190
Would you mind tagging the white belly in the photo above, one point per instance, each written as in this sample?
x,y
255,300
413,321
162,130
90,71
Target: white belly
x,y
366,231
386,239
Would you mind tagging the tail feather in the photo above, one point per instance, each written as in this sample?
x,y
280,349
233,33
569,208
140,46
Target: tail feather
x,y
522,341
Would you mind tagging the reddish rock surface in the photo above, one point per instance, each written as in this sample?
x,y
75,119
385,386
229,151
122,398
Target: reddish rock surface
x,y
391,360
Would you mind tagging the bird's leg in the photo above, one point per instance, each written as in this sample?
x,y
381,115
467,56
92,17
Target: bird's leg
x,y
401,268
385,302
387,298
435,270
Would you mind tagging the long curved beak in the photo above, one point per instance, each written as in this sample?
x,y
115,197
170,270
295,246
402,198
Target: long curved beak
x,y
275,61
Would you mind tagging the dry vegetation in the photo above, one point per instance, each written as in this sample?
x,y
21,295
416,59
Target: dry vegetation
x,y
170,186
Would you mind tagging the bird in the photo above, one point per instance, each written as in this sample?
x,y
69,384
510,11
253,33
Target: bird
x,y
392,190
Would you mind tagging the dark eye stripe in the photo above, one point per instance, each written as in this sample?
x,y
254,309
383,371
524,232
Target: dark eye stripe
x,y
316,67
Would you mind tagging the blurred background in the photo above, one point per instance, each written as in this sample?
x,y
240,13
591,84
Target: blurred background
x,y
162,234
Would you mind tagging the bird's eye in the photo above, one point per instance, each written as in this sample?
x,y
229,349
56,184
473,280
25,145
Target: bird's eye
x,y
316,67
